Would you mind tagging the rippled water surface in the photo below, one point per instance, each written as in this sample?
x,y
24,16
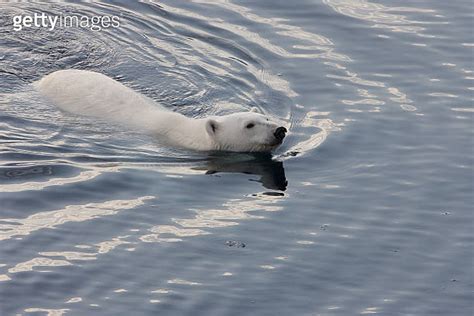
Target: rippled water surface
x,y
365,209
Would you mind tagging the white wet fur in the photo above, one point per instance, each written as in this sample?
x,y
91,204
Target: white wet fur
x,y
93,94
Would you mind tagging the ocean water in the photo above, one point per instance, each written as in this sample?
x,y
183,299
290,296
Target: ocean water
x,y
365,209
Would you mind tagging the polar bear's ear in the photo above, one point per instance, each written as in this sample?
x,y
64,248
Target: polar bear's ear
x,y
254,109
211,127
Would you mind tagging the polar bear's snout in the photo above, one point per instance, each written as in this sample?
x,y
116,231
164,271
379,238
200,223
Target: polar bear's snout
x,y
280,133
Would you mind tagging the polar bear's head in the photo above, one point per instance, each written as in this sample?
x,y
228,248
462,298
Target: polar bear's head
x,y
245,132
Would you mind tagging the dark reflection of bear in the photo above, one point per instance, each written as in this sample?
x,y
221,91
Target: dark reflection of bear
x,y
272,172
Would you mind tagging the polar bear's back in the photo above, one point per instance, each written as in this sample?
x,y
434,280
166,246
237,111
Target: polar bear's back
x,y
94,94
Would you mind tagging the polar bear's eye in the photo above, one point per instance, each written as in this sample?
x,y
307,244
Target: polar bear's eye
x,y
250,125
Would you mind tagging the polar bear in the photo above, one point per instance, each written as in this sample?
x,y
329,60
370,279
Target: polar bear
x,y
93,94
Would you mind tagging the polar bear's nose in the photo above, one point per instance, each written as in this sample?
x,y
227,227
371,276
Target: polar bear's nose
x,y
280,133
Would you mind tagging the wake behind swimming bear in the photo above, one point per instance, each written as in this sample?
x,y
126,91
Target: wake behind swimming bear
x,y
93,94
